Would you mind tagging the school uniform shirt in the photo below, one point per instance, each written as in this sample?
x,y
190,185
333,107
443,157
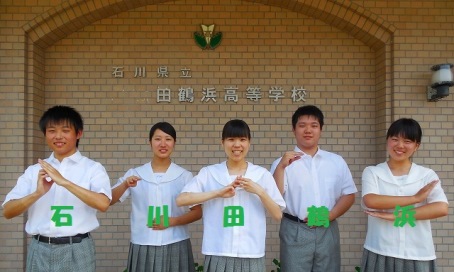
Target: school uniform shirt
x,y
315,181
59,212
407,242
235,226
152,191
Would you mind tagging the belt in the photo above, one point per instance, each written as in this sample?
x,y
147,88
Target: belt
x,y
294,218
62,240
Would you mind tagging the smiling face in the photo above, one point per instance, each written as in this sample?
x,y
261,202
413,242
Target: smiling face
x,y
162,144
403,139
62,138
401,149
236,148
307,132
236,140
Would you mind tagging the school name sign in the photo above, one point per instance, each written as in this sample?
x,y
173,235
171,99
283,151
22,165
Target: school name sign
x,y
232,94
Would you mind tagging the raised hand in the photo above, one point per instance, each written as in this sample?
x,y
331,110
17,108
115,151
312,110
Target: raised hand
x,y
289,157
52,173
132,181
227,191
248,185
383,215
161,225
424,192
44,182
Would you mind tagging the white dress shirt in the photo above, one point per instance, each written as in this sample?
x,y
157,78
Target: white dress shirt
x,y
76,168
319,181
407,242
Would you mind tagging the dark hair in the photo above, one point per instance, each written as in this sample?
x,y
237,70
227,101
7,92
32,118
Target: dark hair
x,y
308,110
236,128
165,127
60,114
407,128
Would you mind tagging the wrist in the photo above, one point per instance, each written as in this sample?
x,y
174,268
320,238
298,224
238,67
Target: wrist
x,y
37,194
173,221
332,216
282,165
261,192
218,193
65,183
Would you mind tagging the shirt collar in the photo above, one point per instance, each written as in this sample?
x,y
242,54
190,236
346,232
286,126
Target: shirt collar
x,y
74,157
317,154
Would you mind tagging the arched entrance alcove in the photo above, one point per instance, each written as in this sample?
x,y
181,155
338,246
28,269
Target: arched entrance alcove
x,y
70,16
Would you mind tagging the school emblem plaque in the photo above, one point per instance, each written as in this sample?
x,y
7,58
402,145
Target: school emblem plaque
x,y
207,39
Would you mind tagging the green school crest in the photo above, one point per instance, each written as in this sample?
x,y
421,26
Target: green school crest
x,y
207,39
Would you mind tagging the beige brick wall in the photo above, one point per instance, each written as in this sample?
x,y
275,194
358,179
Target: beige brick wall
x,y
365,63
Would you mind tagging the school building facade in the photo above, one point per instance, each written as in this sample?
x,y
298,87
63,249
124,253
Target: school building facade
x,y
127,64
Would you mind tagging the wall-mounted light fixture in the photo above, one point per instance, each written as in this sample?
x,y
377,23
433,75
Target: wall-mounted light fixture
x,y
441,81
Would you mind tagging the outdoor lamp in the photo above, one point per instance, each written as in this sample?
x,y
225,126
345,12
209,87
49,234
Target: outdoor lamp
x,y
441,81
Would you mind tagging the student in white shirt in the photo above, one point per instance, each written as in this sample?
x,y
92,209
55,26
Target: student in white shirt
x,y
159,232
311,178
61,195
392,244
235,195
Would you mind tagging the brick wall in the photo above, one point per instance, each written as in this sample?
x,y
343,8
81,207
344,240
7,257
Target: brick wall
x,y
365,63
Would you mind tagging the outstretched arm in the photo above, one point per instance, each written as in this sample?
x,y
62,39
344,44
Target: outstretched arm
x,y
384,202
431,211
118,191
194,214
187,199
425,212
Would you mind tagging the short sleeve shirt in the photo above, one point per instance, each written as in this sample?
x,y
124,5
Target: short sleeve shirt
x,y
315,181
59,212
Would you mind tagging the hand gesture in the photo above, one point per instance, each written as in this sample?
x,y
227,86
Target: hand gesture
x,y
382,215
161,225
44,182
228,191
248,185
132,181
424,192
290,157
52,173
